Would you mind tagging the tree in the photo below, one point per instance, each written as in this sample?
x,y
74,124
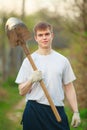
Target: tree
x,y
3,47
78,27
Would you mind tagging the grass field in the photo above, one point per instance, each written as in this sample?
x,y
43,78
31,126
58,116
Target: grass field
x,y
10,117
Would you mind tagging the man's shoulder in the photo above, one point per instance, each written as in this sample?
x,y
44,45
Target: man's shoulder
x,y
56,53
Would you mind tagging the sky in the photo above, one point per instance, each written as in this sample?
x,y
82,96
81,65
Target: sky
x,y
31,6
15,5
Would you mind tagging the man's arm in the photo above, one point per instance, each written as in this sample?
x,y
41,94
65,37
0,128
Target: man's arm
x,y
71,96
72,99
25,87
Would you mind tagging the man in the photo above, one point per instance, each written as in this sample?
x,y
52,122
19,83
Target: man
x,y
56,72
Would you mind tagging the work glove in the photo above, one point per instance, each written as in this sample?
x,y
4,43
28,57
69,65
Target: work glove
x,y
76,119
36,76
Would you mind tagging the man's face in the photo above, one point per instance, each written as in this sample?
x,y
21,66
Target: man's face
x,y
44,38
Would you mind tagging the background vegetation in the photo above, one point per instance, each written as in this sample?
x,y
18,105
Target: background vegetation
x,y
70,40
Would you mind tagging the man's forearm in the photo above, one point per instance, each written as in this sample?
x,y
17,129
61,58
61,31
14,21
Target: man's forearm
x,y
71,96
24,88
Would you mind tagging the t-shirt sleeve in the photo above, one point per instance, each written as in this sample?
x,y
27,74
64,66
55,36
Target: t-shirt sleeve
x,y
68,74
24,72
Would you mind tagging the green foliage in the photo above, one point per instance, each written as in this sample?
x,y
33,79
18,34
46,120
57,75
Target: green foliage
x,y
7,104
10,82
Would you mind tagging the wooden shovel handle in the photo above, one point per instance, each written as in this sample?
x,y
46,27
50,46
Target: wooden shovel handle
x,y
42,84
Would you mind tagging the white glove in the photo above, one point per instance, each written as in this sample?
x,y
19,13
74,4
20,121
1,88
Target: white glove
x,y
76,119
36,76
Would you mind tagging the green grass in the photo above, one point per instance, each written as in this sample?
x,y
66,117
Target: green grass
x,y
6,104
12,97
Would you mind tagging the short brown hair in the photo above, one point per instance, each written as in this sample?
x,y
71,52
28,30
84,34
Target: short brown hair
x,y
42,26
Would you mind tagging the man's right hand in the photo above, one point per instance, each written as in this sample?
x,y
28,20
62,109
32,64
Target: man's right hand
x,y
36,76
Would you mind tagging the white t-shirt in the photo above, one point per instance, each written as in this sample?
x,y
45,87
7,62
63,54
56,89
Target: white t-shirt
x,y
56,71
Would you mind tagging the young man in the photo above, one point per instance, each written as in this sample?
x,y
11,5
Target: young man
x,y
56,72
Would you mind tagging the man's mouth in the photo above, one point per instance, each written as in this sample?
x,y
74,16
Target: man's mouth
x,y
45,42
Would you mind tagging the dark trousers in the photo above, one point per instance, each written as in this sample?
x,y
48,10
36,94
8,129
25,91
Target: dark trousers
x,y
37,116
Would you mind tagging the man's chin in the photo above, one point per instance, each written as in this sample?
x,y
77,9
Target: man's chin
x,y
45,48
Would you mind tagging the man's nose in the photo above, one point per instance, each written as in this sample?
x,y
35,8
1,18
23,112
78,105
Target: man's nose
x,y
44,36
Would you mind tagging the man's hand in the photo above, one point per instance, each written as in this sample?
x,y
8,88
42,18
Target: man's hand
x,y
76,119
36,76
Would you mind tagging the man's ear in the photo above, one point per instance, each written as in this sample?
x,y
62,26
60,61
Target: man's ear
x,y
52,34
35,38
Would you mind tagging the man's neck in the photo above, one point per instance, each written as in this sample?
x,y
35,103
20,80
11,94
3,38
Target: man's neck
x,y
44,51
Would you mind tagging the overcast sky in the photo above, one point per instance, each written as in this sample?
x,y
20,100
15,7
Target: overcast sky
x,y
30,5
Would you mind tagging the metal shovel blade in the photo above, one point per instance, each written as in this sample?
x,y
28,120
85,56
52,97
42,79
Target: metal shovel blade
x,y
16,31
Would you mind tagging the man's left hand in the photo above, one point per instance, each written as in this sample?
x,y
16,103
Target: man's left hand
x,y
76,119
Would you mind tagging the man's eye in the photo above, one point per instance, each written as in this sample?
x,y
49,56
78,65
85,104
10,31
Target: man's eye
x,y
47,34
40,35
